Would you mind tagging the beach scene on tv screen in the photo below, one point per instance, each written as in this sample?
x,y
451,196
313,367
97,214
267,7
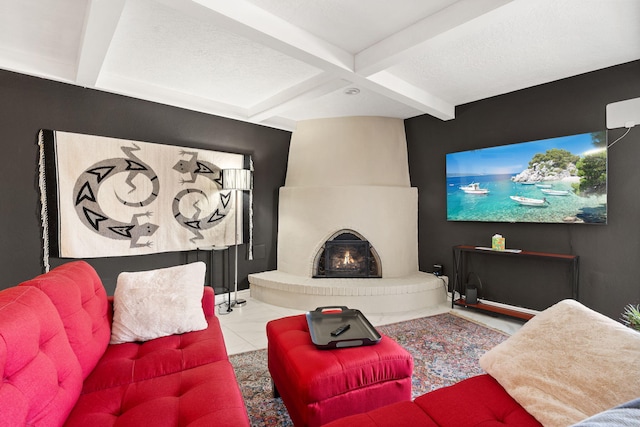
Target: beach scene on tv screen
x,y
555,180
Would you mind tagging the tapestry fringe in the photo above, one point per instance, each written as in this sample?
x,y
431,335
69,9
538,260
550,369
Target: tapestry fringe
x,y
251,212
44,214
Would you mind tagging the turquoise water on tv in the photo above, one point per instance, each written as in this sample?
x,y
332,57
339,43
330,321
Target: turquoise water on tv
x,y
498,207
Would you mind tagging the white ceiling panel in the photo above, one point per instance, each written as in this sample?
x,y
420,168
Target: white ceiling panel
x,y
156,45
275,62
524,44
41,35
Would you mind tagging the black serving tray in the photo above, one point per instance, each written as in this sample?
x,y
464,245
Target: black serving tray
x,y
323,320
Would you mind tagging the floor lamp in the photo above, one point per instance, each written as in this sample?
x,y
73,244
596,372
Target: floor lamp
x,y
223,248
237,180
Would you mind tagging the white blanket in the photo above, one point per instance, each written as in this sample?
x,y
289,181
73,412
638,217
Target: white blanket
x,y
568,363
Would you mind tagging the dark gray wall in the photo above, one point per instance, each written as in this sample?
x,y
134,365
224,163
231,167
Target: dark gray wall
x,y
28,104
609,254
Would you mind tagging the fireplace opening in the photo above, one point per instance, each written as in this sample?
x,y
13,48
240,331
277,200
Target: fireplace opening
x,y
347,255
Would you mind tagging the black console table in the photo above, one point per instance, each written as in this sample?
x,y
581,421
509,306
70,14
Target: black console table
x,y
462,252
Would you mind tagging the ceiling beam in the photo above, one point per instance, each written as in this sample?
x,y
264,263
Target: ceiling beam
x,y
395,88
247,20
27,62
290,98
265,28
278,123
405,44
100,25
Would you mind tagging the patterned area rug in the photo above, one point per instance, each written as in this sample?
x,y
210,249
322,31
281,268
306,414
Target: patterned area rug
x,y
445,350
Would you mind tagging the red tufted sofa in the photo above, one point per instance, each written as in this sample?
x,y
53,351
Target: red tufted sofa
x,y
58,367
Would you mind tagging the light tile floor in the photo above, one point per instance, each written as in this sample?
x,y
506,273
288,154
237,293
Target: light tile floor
x,y
244,327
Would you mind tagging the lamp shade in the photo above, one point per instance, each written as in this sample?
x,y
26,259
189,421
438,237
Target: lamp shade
x,y
237,179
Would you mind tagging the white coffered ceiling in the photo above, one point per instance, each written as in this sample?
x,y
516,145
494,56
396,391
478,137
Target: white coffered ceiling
x,y
275,62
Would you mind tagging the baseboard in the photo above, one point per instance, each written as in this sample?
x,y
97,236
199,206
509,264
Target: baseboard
x,y
222,298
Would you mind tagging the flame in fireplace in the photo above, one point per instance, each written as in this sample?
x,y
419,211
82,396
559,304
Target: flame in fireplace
x,y
348,259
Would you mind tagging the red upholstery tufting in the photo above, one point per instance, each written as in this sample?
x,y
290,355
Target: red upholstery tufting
x,y
124,363
55,329
77,292
41,377
180,399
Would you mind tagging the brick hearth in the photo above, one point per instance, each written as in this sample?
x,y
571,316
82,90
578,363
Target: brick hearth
x,y
417,291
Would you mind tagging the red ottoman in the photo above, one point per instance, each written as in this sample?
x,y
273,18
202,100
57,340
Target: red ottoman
x,y
319,386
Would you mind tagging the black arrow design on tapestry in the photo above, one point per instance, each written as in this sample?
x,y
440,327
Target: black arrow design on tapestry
x,y
101,172
123,230
85,193
94,218
216,216
225,199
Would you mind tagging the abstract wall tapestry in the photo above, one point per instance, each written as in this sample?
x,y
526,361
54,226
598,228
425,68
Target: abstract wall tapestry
x,y
104,197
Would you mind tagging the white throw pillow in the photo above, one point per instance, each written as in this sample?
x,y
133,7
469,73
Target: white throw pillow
x,y
158,303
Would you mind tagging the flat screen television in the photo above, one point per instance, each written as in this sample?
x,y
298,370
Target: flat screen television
x,y
555,180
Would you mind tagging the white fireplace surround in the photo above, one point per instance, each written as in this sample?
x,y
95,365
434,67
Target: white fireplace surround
x,y
382,215
348,173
